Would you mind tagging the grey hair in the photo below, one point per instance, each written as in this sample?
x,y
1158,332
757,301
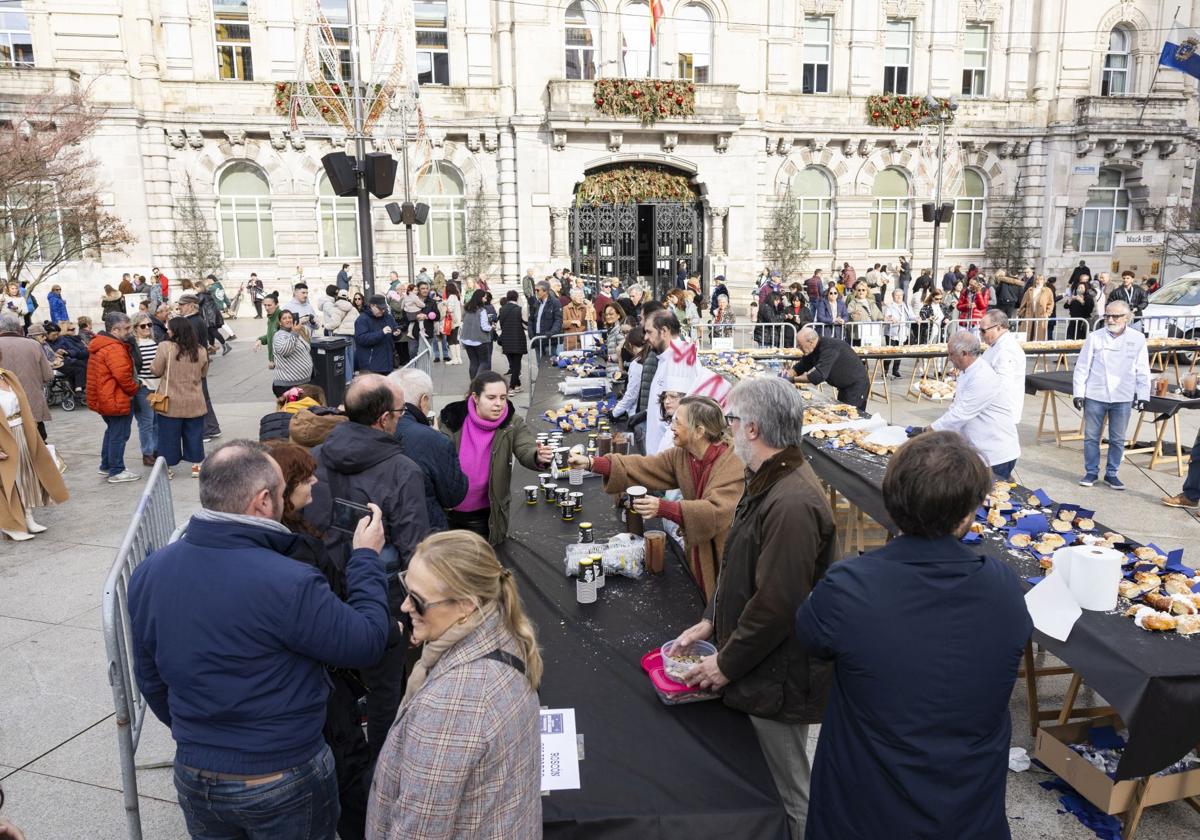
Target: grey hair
x,y
140,318
234,473
726,297
10,322
996,318
772,404
414,383
1119,303
964,342
161,306
114,319
637,286
807,334
544,285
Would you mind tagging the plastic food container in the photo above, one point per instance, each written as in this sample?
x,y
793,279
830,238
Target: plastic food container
x,y
677,664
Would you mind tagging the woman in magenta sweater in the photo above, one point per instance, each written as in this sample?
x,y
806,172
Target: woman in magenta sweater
x,y
487,433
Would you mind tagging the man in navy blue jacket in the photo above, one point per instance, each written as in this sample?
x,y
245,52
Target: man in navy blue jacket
x,y
925,635
231,639
434,453
545,319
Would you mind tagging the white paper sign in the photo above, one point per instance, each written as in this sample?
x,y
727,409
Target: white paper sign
x,y
871,335
1052,607
722,345
560,750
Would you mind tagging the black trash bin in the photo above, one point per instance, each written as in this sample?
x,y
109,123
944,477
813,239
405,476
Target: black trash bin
x,y
329,366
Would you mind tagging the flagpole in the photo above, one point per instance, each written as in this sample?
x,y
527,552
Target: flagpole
x,y
1154,78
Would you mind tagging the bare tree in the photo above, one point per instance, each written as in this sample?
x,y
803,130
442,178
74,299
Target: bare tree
x,y
482,249
197,252
1010,240
1181,240
51,199
784,246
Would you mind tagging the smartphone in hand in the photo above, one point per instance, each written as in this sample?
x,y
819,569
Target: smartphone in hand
x,y
346,515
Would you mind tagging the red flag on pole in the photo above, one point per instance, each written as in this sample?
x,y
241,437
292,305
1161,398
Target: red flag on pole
x,y
656,13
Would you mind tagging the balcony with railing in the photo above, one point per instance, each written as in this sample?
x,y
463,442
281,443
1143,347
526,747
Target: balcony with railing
x,y
571,103
1105,113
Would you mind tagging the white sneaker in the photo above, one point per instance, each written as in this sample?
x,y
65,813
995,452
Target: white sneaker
x,y
102,472
122,477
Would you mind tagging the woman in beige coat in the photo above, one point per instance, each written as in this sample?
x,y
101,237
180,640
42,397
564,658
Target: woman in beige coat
x,y
29,477
1037,303
577,316
181,364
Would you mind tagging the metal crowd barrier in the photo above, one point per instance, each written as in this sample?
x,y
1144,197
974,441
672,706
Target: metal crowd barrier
x,y
151,528
423,361
747,336
876,333
1160,326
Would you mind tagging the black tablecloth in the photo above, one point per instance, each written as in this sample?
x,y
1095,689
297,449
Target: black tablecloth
x,y
650,771
1151,679
1061,381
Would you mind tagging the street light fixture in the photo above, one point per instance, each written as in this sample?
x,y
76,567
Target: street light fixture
x,y
940,111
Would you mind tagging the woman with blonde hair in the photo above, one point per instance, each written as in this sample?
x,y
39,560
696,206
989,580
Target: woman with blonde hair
x,y
463,757
1038,303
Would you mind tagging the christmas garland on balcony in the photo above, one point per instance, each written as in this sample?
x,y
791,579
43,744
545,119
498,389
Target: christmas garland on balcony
x,y
647,99
897,112
634,184
331,99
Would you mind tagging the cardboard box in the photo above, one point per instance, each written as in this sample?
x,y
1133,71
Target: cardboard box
x,y
1053,750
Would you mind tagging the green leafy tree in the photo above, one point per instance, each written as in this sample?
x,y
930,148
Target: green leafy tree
x,y
784,246
197,251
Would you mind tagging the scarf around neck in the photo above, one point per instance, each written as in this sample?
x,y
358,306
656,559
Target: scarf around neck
x,y
702,468
475,453
433,651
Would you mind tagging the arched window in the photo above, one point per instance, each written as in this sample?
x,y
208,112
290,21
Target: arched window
x,y
694,39
1118,64
889,211
338,222
814,202
1106,212
582,39
970,214
444,234
245,212
637,55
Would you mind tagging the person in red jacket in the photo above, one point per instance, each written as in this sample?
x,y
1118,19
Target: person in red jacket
x,y
163,283
972,303
111,386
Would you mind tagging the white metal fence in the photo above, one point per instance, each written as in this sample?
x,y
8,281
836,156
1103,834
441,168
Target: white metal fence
x,y
151,528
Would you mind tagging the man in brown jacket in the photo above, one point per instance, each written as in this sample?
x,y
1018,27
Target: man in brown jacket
x,y
781,542
24,357
703,466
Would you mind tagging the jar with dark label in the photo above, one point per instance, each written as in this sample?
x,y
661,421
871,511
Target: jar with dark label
x,y
633,519
548,492
531,494
567,511
598,562
586,532
576,498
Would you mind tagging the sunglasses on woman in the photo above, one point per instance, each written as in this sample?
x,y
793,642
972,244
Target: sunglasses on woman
x,y
419,603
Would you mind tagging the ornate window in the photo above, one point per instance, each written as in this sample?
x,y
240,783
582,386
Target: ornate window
x,y
433,42
16,44
889,211
1106,212
582,39
244,212
1118,64
694,38
818,48
231,29
975,60
338,221
444,233
897,56
813,194
637,54
970,214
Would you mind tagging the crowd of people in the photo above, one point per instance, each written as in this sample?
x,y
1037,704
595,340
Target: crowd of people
x,y
347,567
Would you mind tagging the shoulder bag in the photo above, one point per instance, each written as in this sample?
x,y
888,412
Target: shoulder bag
x,y
159,400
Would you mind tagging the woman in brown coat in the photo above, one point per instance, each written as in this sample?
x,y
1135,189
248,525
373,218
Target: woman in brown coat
x,y
181,364
29,477
703,466
577,316
1037,303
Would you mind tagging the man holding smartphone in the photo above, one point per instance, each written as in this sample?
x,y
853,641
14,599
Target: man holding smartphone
x,y
362,462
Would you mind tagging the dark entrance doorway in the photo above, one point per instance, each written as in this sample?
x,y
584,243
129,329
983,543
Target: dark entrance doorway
x,y
635,242
637,222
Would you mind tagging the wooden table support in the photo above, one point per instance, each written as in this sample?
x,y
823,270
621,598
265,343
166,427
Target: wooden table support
x,y
1068,710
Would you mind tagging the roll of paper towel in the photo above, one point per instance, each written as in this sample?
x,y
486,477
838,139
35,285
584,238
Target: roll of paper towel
x,y
1092,574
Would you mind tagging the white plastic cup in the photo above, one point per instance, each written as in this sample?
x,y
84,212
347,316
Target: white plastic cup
x,y
576,477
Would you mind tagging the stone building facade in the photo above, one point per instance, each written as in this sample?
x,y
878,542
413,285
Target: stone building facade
x,y
1054,95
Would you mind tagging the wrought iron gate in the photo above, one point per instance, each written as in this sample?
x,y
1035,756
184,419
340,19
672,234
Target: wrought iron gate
x,y
604,242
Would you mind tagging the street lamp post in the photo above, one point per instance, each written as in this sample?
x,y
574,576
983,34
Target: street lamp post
x,y
366,239
943,112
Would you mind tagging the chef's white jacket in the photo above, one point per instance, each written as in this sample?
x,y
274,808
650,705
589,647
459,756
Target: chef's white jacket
x,y
982,413
1113,369
1008,359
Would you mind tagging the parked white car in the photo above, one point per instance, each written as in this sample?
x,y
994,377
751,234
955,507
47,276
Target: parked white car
x,y
1174,310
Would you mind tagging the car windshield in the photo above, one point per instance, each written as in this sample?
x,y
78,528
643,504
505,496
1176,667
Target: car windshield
x,y
1182,293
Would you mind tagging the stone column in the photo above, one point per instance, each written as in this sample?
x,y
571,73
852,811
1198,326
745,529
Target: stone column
x,y
716,231
507,176
559,240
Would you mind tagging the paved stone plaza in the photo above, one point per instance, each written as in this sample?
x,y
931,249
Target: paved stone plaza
x,y
58,749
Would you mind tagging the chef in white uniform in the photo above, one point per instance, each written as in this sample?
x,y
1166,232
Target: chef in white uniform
x,y
1005,356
